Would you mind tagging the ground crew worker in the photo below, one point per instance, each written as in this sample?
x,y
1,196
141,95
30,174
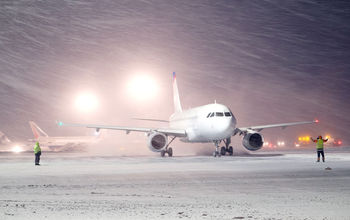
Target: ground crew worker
x,y
319,146
37,152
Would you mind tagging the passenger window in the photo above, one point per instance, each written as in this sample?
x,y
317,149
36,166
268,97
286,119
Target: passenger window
x,y
227,114
219,114
212,114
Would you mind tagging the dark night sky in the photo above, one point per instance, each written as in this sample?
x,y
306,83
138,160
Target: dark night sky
x,y
269,61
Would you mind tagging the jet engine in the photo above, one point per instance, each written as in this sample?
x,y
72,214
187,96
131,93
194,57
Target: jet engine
x,y
157,141
253,141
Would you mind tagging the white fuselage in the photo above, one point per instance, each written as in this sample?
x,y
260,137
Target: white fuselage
x,y
207,123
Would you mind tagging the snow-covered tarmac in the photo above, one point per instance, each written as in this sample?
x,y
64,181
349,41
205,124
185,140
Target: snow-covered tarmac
x,y
69,186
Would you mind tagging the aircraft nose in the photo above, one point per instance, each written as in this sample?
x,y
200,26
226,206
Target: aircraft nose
x,y
233,122
228,125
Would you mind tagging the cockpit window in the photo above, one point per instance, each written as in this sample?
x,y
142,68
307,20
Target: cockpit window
x,y
227,114
212,114
208,115
219,114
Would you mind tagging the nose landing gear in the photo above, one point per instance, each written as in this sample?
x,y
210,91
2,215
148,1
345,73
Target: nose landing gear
x,y
224,149
216,153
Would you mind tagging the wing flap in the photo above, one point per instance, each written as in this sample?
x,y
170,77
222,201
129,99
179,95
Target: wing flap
x,y
167,131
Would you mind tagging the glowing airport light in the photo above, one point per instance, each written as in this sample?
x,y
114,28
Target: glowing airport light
x,y
142,87
17,149
280,143
86,102
304,139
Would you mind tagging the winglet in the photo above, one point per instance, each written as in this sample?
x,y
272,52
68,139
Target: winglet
x,y
177,103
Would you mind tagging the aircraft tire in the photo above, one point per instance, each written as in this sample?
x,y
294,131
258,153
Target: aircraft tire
x,y
170,152
162,153
230,150
223,151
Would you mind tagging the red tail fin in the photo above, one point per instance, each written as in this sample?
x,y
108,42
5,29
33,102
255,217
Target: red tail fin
x,y
36,130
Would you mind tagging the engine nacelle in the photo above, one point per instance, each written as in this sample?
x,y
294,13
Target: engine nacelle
x,y
157,141
253,141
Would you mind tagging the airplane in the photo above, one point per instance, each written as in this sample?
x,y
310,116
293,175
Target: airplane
x,y
7,145
4,139
208,123
59,143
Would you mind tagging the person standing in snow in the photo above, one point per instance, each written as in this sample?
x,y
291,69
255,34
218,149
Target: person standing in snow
x,y
37,152
319,146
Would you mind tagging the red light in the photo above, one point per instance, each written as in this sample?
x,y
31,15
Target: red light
x,y
339,142
316,121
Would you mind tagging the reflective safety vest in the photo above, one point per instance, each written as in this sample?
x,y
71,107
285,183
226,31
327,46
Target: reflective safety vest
x,y
37,148
319,144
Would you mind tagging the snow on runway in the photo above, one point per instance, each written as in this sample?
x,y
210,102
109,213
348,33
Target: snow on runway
x,y
72,186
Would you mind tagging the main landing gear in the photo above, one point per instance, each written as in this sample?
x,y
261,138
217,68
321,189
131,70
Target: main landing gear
x,y
168,150
224,149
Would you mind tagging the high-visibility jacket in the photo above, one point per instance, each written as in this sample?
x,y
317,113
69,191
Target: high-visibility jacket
x,y
319,144
37,148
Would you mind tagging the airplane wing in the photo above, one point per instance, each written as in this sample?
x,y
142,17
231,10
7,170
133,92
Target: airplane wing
x,y
167,131
261,127
151,119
